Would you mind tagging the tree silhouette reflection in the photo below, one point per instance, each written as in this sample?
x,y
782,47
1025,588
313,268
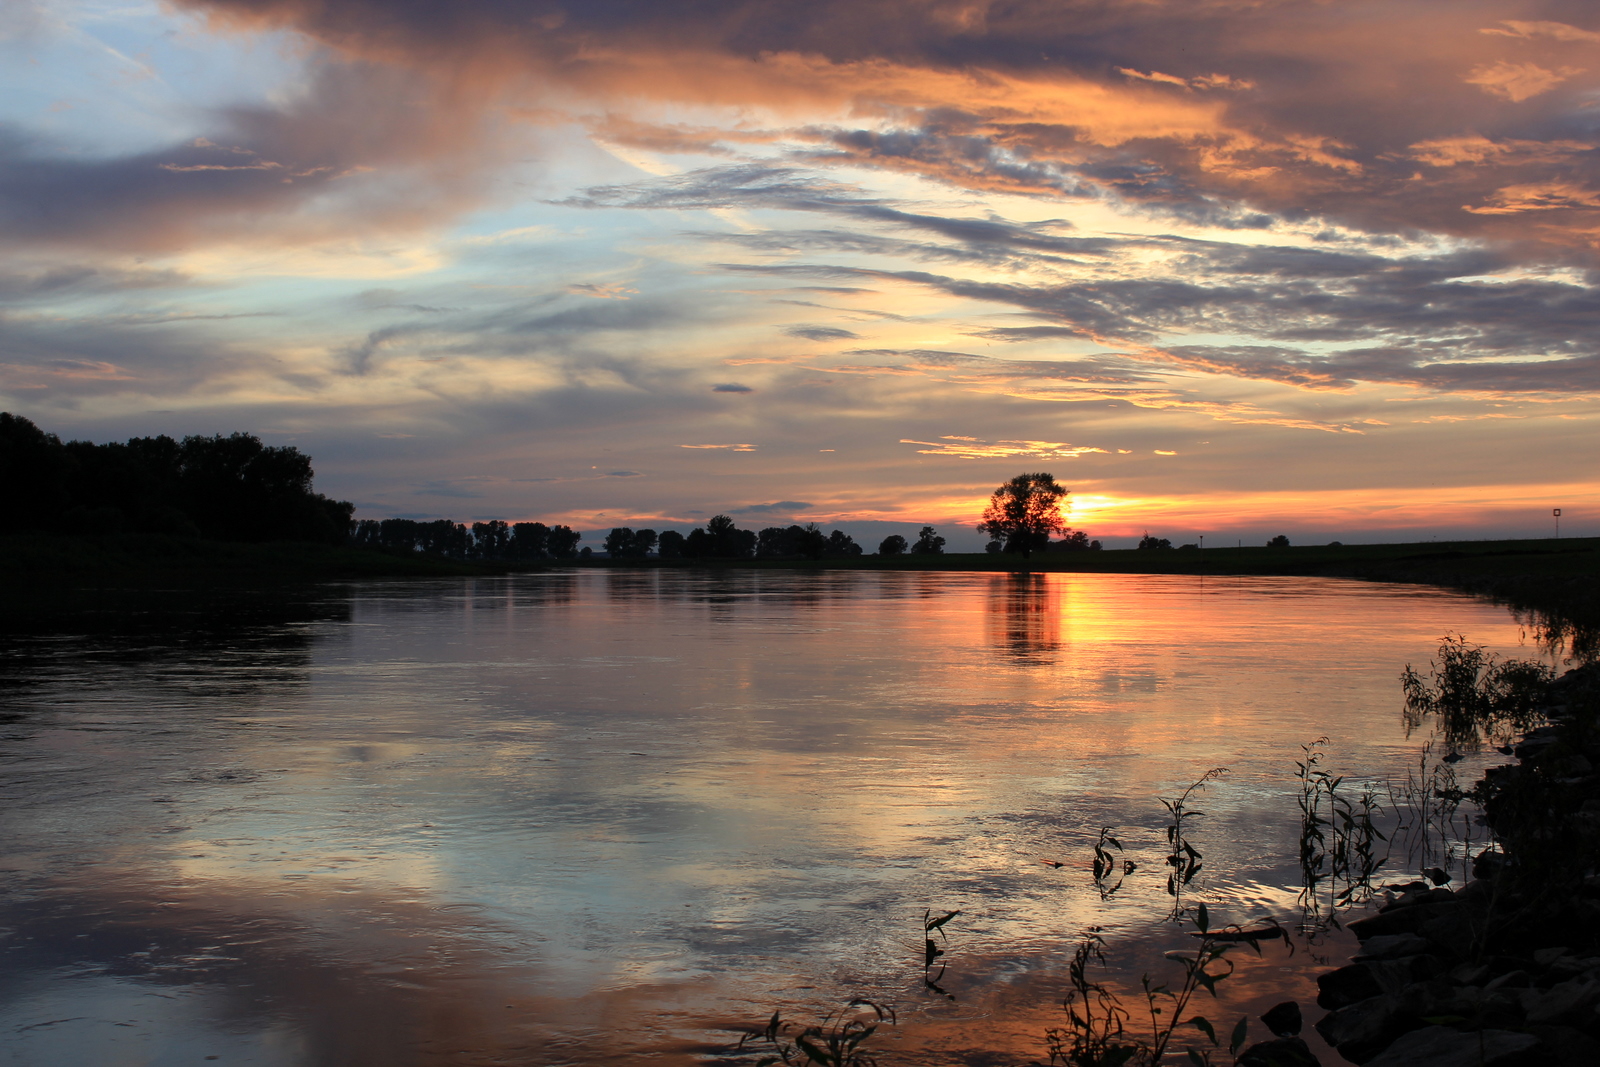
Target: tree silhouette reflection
x,y
1025,614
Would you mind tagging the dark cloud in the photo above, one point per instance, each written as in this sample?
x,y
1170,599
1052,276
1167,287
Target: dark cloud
x,y
731,387
777,506
821,333
1229,112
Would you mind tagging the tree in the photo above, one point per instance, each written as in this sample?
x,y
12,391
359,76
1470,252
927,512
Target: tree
x,y
1024,512
529,540
928,542
670,544
644,542
619,542
1147,542
720,539
841,546
893,545
1074,541
563,542
1278,542
491,540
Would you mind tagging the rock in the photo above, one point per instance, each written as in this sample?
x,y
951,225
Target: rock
x,y
1391,946
1567,1047
1544,957
1440,1046
1470,974
1562,1003
1509,980
1488,863
1403,920
1284,1020
1360,1031
1347,985
1452,928
1284,1052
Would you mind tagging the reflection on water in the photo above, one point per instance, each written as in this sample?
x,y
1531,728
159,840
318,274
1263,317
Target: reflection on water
x,y
582,817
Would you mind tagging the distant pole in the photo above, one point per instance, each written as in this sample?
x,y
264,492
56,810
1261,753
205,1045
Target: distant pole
x,y
1558,523
1202,540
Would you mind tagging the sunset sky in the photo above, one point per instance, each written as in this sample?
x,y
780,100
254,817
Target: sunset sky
x,y
1225,267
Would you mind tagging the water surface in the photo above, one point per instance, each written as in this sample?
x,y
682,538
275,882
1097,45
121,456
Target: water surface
x,y
596,816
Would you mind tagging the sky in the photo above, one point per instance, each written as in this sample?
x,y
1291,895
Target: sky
x,y
1226,268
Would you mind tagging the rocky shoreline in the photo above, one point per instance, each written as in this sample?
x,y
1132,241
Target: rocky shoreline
x,y
1503,971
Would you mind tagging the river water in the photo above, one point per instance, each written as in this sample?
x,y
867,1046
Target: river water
x,y
615,816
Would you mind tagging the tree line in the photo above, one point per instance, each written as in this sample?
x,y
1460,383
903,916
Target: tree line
x,y
235,488
231,488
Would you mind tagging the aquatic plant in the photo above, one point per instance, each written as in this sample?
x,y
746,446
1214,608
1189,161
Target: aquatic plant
x,y
1183,858
932,951
1473,694
835,1041
1097,1032
1339,836
1105,864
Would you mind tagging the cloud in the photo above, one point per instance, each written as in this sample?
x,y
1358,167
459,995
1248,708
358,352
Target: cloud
x,y
1518,81
731,387
783,506
1527,31
730,448
609,291
972,448
623,474
821,333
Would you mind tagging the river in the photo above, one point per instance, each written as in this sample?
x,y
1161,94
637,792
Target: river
x,y
614,816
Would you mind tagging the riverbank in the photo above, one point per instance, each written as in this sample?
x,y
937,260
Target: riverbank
x,y
1504,970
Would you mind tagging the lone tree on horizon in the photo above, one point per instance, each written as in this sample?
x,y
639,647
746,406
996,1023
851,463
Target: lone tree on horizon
x,y
1024,512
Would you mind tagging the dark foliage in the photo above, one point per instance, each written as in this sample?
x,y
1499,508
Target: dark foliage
x,y
230,488
493,540
1281,541
804,542
624,543
928,542
719,539
893,545
1156,543
1024,512
670,545
1074,541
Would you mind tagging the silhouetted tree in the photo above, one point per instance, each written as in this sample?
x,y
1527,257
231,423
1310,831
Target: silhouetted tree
x,y
1074,541
841,546
529,540
893,545
1280,541
619,542
1024,512
562,542
227,488
33,472
775,542
720,539
491,540
1147,542
670,544
928,542
995,546
625,543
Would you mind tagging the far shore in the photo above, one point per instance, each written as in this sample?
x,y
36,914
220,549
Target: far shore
x,y
52,573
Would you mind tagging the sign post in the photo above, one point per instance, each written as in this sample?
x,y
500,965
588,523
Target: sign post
x,y
1558,523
